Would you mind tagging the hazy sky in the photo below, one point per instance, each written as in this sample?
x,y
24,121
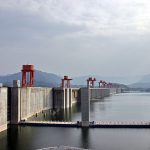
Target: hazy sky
x,y
76,37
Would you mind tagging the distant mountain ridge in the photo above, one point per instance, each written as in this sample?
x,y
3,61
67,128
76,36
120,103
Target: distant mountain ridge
x,y
144,82
122,80
41,79
45,79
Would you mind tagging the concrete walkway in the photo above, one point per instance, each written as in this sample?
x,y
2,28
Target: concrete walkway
x,y
97,124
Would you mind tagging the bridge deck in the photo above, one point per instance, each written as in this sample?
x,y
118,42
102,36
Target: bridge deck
x,y
98,124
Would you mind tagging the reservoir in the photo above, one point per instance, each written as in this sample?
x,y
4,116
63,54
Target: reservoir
x,y
119,107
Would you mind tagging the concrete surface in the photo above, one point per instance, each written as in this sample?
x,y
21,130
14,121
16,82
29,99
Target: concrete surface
x,y
85,106
3,109
26,102
65,97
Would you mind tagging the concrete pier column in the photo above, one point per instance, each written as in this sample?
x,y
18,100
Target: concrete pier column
x,y
85,106
15,105
66,97
3,109
70,97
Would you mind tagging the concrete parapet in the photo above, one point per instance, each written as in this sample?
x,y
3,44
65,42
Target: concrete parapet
x,y
3,109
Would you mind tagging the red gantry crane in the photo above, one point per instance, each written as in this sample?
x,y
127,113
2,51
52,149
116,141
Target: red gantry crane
x,y
90,82
27,70
65,82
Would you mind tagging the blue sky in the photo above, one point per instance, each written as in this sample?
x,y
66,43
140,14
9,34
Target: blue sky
x,y
76,37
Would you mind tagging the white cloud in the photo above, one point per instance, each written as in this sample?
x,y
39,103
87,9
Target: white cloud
x,y
98,16
100,36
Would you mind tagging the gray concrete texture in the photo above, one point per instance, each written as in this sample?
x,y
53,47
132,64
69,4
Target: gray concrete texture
x,y
29,101
75,95
89,94
26,102
15,105
59,98
85,106
3,109
65,97
98,93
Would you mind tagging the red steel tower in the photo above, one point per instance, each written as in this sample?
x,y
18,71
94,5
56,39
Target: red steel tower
x,y
104,84
93,81
65,82
90,82
27,69
110,85
100,83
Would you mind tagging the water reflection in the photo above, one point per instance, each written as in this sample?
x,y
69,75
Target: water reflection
x,y
32,138
69,114
12,137
85,138
17,137
118,107
124,107
3,140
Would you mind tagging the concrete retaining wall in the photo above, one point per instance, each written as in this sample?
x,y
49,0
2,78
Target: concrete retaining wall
x,y
98,93
3,109
26,102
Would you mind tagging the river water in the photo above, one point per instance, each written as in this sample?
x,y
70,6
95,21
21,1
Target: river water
x,y
129,106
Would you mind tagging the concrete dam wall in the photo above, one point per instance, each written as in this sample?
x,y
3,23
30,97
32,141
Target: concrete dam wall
x,y
18,104
98,93
26,102
3,109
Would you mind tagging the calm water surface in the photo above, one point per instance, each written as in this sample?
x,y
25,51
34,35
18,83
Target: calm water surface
x,y
131,106
128,106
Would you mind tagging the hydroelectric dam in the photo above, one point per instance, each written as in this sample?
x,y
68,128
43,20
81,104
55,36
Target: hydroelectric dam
x,y
20,102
